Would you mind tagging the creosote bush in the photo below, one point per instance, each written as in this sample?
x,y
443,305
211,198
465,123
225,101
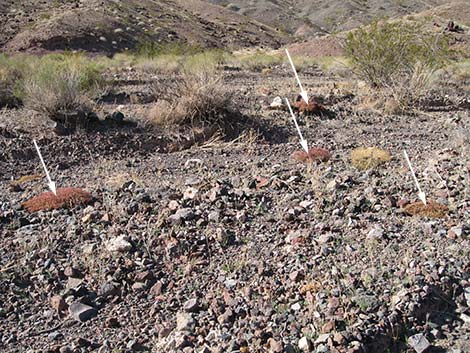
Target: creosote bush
x,y
61,83
66,197
194,98
398,58
369,157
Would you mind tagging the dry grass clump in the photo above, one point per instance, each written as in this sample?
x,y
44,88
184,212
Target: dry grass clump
x,y
11,73
60,84
26,179
314,155
432,209
198,99
155,58
66,197
257,61
369,157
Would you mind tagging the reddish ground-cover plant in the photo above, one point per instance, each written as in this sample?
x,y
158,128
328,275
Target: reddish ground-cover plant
x,y
66,197
314,154
312,108
432,209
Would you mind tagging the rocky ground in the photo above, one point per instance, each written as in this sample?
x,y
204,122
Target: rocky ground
x,y
233,246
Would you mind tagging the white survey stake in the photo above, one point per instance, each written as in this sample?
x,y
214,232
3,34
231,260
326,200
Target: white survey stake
x,y
303,142
303,93
50,183
421,194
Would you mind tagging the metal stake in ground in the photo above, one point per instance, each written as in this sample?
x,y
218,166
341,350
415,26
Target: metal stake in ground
x,y
421,194
303,93
303,142
50,183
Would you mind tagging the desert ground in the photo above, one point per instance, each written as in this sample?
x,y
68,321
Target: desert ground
x,y
226,236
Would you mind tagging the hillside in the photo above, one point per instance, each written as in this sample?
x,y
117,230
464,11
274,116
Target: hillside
x,y
324,16
110,26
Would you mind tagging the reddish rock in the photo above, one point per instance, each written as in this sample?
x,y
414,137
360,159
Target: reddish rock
x,y
328,327
156,289
58,304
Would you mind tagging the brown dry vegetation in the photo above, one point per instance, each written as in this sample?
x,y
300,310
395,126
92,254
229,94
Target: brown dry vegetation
x,y
194,98
314,154
66,197
432,209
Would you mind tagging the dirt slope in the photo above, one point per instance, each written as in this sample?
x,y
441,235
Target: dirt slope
x,y
109,26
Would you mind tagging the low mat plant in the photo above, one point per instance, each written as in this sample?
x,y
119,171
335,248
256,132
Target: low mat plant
x,y
369,157
398,58
314,154
194,98
432,209
66,198
62,83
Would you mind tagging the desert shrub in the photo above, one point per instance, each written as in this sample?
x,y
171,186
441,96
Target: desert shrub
x,y
152,49
163,64
61,83
257,61
12,71
369,157
195,98
66,197
205,61
398,57
457,72
173,63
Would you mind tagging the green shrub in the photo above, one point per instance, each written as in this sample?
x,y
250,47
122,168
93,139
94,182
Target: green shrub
x,y
12,71
398,57
382,51
205,61
61,83
152,50
258,61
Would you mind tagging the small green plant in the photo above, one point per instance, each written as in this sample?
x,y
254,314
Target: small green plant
x,y
398,57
